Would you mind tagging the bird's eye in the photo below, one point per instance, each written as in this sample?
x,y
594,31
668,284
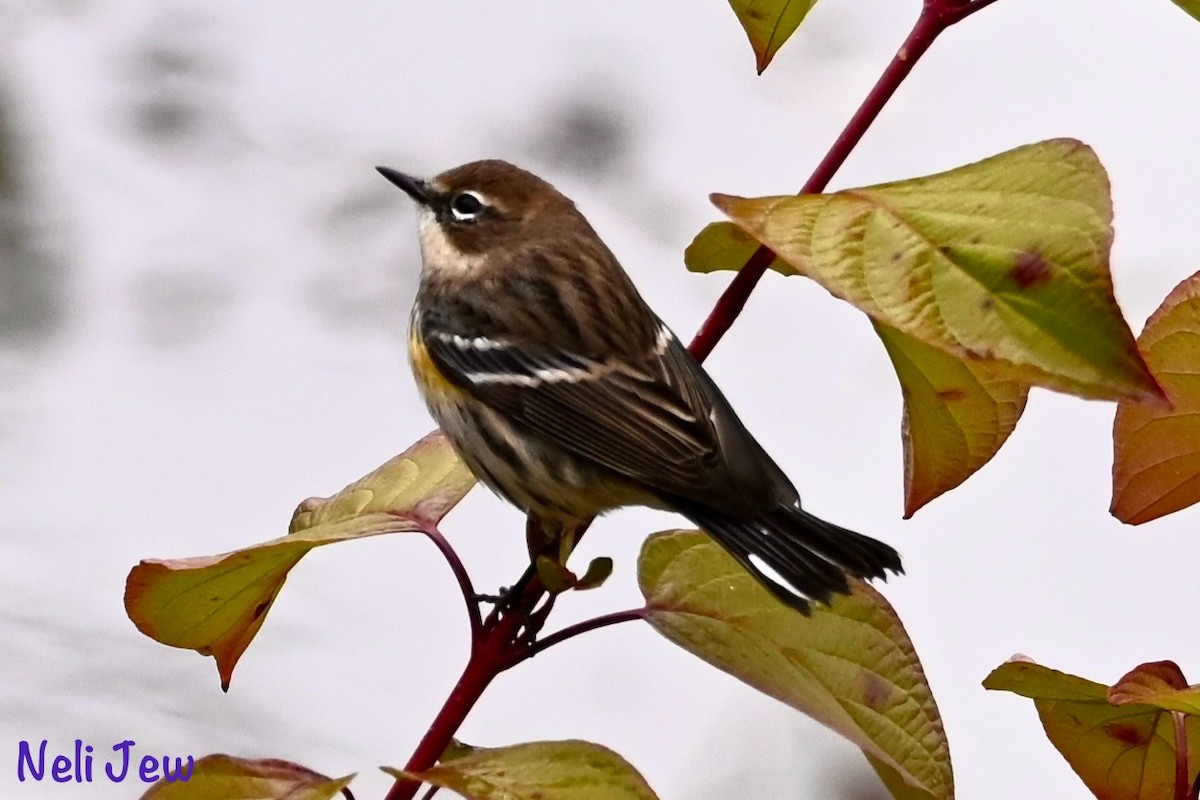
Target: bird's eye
x,y
466,206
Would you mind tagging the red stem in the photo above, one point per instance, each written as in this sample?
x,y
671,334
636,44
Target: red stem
x,y
936,16
596,623
491,654
1182,769
500,646
478,674
464,580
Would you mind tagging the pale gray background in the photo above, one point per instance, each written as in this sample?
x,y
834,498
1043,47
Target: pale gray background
x,y
203,288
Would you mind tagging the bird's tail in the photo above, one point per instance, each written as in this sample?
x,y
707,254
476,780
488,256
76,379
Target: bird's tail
x,y
797,556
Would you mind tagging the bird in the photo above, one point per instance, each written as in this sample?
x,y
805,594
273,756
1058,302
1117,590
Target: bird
x,y
564,393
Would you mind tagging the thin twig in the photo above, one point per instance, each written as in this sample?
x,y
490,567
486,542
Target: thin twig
x,y
594,624
464,580
432,791
978,5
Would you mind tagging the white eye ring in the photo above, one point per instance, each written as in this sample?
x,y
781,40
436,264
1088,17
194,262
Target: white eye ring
x,y
466,206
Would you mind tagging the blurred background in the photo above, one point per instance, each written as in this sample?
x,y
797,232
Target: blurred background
x,y
203,291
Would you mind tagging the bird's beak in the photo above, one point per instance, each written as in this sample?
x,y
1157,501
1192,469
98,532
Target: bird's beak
x,y
415,188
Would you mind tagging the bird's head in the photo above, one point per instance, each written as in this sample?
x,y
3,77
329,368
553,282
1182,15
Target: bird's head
x,y
481,208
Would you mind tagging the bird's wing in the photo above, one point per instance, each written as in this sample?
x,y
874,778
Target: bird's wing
x,y
656,420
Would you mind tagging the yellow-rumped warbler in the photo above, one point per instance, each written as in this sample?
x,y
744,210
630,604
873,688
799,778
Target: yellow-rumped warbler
x,y
568,396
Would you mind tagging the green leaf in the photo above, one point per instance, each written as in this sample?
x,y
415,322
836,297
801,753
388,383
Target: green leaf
x,y
720,246
216,604
555,577
1121,752
231,778
1190,6
599,570
567,770
850,666
769,23
957,414
415,489
1022,676
1156,451
1003,261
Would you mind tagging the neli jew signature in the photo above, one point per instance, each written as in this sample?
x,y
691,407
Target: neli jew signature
x,y
81,767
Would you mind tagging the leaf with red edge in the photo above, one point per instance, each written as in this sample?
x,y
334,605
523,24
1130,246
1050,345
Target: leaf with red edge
x,y
1122,751
1160,684
216,604
1004,261
850,665
566,770
957,414
770,23
231,778
1156,451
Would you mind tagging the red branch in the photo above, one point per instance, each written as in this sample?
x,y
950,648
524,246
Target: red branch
x,y
498,649
503,644
935,18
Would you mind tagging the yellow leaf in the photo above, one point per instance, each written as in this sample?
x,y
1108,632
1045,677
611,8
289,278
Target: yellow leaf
x,y
769,23
230,778
216,604
850,666
957,414
1003,261
893,780
720,246
1190,6
1156,451
567,770
1121,752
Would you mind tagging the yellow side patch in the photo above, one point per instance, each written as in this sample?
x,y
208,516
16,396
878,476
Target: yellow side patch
x,y
431,380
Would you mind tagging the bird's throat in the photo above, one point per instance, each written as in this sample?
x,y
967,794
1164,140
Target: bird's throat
x,y
439,254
